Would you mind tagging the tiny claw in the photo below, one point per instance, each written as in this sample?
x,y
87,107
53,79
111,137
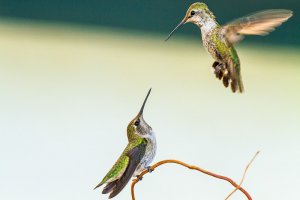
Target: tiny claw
x,y
215,64
148,168
219,74
218,70
139,177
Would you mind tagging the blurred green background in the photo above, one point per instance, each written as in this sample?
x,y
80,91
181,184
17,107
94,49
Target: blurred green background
x,y
155,16
74,73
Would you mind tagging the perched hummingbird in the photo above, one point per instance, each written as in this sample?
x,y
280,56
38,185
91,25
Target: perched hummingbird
x,y
219,40
136,157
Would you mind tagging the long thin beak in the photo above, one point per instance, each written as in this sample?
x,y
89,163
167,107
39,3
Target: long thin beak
x,y
142,108
178,26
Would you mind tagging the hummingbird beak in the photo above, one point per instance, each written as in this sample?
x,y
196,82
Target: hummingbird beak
x,y
178,26
142,108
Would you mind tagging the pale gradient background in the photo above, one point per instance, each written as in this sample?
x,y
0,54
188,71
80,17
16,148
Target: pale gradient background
x,y
67,94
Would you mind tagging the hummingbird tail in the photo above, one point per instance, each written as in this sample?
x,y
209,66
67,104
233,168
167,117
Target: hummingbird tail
x,y
241,86
109,187
236,80
233,66
237,84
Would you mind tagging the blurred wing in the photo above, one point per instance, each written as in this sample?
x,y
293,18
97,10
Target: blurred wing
x,y
135,157
260,23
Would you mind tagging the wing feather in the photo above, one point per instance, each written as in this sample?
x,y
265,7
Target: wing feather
x,y
260,23
114,173
135,157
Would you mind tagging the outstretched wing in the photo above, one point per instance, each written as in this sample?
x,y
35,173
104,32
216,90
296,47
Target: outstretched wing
x,y
259,23
135,156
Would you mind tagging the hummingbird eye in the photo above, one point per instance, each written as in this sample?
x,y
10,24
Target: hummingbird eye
x,y
193,12
137,122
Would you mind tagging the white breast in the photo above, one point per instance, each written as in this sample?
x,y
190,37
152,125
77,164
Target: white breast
x,y
150,150
149,154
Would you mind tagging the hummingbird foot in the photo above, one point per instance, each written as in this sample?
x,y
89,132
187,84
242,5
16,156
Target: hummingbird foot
x,y
148,168
139,177
221,73
218,69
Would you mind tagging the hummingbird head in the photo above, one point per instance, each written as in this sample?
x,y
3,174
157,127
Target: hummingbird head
x,y
138,126
198,13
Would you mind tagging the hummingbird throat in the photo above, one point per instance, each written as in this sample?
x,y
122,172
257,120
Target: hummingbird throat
x,y
207,25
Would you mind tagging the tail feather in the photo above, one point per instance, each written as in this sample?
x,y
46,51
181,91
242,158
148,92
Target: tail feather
x,y
234,70
236,81
240,83
234,85
109,187
233,66
237,85
118,187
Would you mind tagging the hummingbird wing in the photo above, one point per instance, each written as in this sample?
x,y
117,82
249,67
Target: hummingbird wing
x,y
135,156
116,171
123,169
259,23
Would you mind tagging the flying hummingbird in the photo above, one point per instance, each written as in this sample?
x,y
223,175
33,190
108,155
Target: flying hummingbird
x,y
219,40
136,157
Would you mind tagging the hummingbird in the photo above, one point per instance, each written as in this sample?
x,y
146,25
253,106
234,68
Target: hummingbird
x,y
136,157
219,40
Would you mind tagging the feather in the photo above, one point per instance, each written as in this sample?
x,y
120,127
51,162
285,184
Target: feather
x,y
109,187
260,23
135,156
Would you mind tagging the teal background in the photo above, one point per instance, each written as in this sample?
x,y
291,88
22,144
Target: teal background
x,y
155,15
